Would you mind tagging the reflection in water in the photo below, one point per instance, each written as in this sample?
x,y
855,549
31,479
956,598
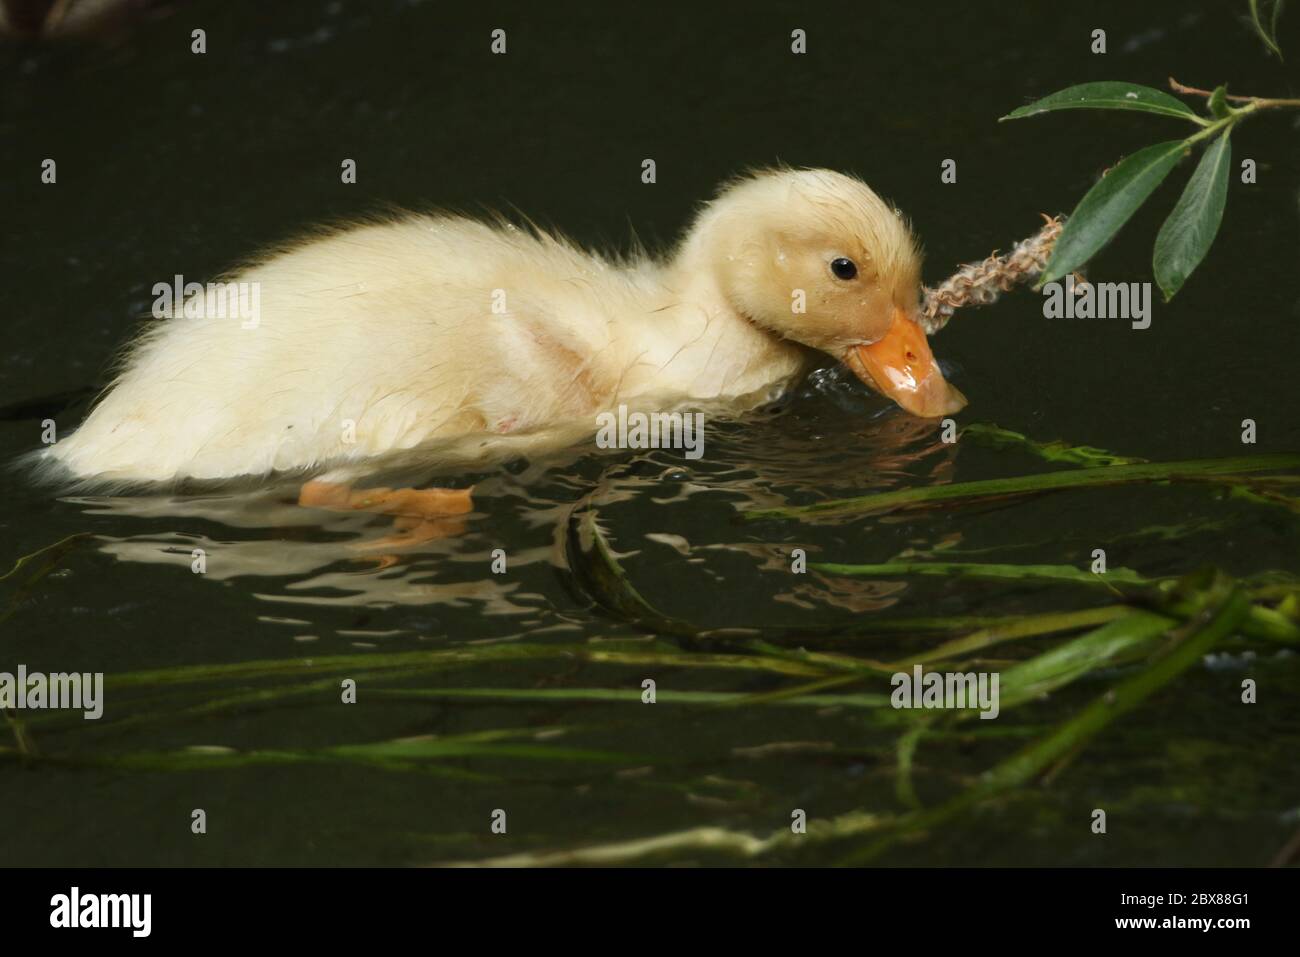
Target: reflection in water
x,y
315,556
656,499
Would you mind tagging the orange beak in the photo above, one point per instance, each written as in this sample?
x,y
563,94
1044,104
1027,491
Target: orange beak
x,y
902,367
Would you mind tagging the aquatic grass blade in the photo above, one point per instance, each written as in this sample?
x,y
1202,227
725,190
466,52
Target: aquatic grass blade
x,y
1099,648
995,437
1221,607
990,571
35,567
595,568
986,489
1012,629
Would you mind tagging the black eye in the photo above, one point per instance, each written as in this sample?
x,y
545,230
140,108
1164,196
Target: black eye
x,y
843,268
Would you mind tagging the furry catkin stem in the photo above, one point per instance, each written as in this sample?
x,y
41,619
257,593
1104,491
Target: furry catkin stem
x,y
978,284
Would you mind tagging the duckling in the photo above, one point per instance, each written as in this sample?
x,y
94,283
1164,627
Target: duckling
x,y
466,342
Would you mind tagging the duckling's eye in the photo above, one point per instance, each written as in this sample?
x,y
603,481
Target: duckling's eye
x,y
844,268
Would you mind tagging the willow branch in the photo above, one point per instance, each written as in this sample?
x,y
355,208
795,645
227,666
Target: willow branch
x,y
978,284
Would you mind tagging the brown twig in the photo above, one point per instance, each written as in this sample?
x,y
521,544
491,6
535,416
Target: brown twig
x,y
1193,91
1262,102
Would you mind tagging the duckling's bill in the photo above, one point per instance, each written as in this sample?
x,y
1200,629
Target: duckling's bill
x,y
901,367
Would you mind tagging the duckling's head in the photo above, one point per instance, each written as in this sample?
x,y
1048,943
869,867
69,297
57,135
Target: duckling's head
x,y
817,257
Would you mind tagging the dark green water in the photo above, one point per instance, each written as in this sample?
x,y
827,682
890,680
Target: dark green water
x,y
174,163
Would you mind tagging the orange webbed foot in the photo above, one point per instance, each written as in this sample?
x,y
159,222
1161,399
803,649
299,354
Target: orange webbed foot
x,y
419,515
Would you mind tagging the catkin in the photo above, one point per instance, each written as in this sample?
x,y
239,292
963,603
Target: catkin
x,y
978,284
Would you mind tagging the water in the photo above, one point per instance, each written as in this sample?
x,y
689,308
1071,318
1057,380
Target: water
x,y
174,163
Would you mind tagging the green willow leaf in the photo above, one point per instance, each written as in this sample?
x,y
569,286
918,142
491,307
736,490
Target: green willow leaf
x,y
1109,204
1108,95
1189,232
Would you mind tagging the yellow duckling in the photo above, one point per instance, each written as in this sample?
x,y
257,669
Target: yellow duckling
x,y
463,341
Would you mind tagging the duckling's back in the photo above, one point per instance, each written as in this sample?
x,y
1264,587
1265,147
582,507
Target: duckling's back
x,y
365,342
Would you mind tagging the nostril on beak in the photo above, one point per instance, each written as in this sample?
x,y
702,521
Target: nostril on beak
x,y
901,366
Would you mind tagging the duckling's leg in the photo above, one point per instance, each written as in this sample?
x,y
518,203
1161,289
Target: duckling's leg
x,y
420,515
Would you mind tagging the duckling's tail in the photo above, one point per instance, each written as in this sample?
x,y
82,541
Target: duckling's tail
x,y
43,465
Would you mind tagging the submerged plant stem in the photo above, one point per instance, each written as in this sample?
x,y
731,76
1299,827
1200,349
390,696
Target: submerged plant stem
x,y
990,571
1221,609
1190,470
